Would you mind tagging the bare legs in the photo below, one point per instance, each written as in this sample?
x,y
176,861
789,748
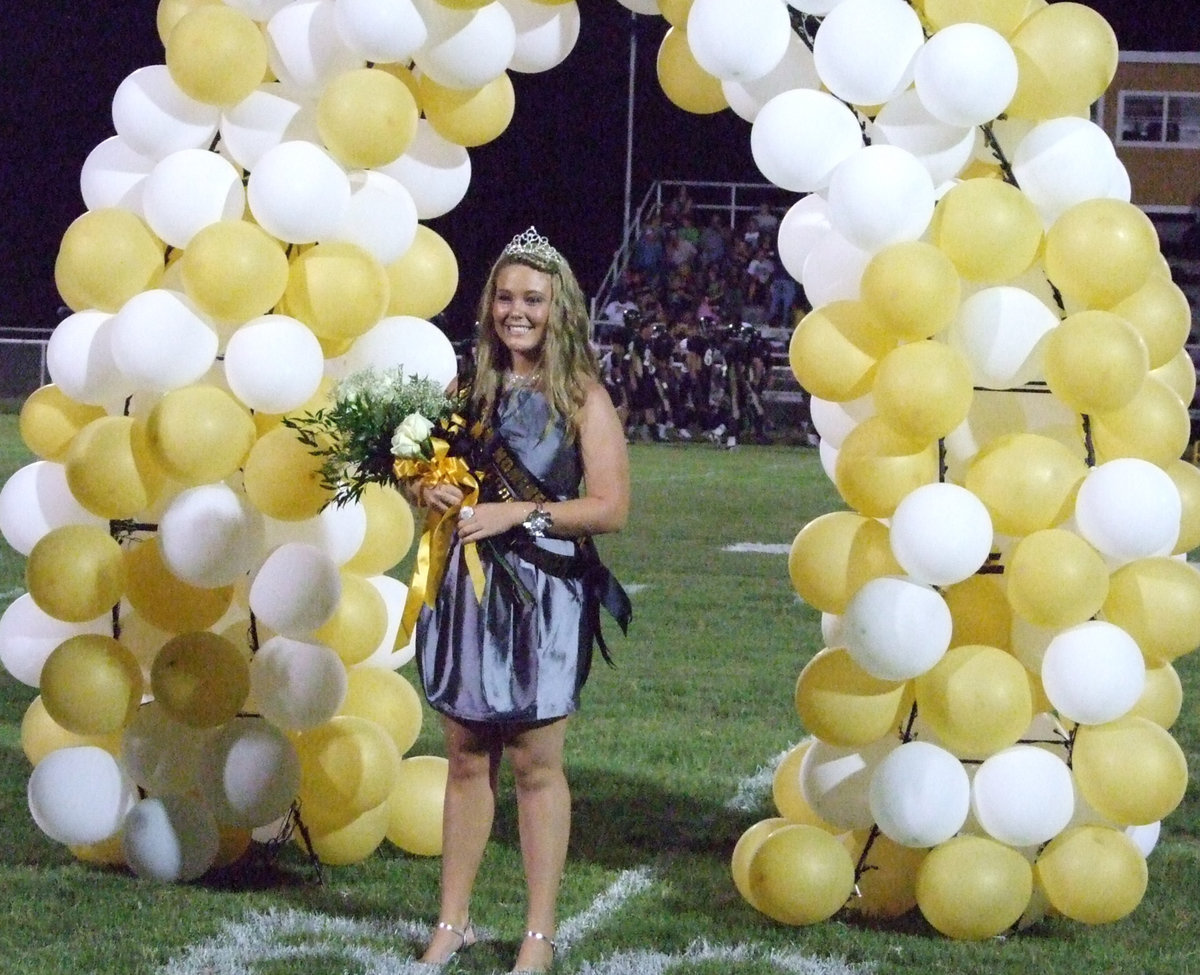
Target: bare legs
x,y
543,817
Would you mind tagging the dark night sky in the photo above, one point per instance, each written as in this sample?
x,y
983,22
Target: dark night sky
x,y
561,163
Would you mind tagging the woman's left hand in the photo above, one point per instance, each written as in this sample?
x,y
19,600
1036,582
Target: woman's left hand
x,y
476,522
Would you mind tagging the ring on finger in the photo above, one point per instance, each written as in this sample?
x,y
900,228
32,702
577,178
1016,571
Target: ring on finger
x,y
467,512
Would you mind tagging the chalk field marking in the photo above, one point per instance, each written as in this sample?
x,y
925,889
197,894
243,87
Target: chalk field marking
x,y
658,963
759,548
754,790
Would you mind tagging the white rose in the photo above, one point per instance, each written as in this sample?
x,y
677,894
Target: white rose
x,y
413,431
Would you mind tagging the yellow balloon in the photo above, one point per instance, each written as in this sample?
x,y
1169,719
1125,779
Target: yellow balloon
x,y
50,419
1157,601
165,600
469,117
1178,374
1152,426
111,469
424,278
91,685
977,700
1130,771
283,480
106,257
199,434
359,621
842,704
201,679
877,467
835,554
988,228
1159,313
1100,251
233,841
75,573
743,853
1002,16
887,885
416,805
923,389
1092,874
801,875
388,699
404,74
106,853
913,289
366,117
1162,697
1066,58
1187,480
351,843
234,270
683,81
337,289
216,55
1094,361
348,766
980,612
788,795
835,350
971,887
463,4
41,735
390,531
1028,482
171,12
1056,579
675,12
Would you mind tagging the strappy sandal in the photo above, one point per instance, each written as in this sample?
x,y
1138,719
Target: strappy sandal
x,y
538,936
466,938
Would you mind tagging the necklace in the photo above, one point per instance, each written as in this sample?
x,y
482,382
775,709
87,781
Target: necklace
x,y
512,380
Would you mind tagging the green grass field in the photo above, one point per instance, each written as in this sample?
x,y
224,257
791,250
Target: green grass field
x,y
700,701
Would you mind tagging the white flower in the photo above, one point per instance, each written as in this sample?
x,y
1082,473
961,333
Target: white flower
x,y
413,431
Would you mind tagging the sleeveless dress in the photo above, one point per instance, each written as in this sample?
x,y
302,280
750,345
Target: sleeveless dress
x,y
500,660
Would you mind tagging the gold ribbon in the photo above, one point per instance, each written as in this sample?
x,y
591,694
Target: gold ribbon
x,y
441,468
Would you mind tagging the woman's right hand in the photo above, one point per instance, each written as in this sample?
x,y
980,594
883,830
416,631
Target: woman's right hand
x,y
440,497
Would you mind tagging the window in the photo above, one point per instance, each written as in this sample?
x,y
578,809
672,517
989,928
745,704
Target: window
x,y
1162,118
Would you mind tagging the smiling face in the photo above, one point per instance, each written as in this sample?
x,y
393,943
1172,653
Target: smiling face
x,y
521,312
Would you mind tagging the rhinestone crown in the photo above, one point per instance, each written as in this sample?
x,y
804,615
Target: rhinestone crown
x,y
532,244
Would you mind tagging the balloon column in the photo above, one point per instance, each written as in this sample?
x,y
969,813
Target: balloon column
x,y
210,642
998,377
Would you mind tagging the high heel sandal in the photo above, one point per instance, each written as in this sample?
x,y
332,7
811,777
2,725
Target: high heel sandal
x,y
466,938
538,936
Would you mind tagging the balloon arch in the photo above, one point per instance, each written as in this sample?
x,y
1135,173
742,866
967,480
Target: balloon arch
x,y
997,373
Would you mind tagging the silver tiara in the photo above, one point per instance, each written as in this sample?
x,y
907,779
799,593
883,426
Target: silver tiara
x,y
532,244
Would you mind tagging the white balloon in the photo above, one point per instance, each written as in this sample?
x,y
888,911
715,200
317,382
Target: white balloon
x,y
966,74
834,421
465,48
298,192
1145,837
401,342
795,69
297,685
920,795
387,654
383,31
1093,673
1023,795
814,6
801,229
1063,161
941,148
36,500
249,772
161,754
546,33
836,781
79,795
941,534
112,176
800,136
1129,509
274,363
864,49
435,171
160,342
263,119
827,453
880,195
28,635
1000,331
154,118
381,216
259,10
296,589
738,42
79,358
896,628
304,47
187,191
338,531
833,270
210,535
171,838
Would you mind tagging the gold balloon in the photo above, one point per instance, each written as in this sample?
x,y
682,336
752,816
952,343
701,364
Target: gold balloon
x,y
111,469
988,228
1152,426
1162,697
835,350
683,81
388,699
351,843
1002,16
1094,361
201,679
1179,375
389,534
424,278
1130,771
877,467
165,600
1159,313
234,841
977,700
199,434
50,419
1157,602
216,55
1187,480
469,117
834,554
358,623
41,735
1101,251
283,480
1066,59
801,875
1092,874
842,704
348,766
366,117
337,289
788,794
887,885
675,12
171,12
416,804
923,389
1028,482
106,853
1056,579
913,288
971,887
980,612
75,573
106,257
91,685
234,270
743,854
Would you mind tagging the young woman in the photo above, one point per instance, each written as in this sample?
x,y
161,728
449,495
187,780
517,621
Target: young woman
x,y
505,671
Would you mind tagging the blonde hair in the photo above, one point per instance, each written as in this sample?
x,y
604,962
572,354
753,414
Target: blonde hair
x,y
567,359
